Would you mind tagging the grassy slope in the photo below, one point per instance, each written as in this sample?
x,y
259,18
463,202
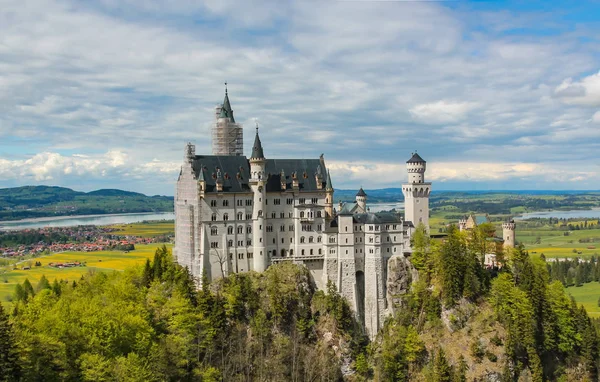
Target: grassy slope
x,y
588,296
145,229
102,261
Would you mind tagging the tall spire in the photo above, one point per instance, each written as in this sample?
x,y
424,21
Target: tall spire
x,y
329,185
257,150
226,111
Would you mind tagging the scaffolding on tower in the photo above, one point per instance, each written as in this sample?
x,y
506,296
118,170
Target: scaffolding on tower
x,y
227,136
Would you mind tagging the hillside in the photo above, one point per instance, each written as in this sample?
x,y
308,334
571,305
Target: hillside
x,y
43,201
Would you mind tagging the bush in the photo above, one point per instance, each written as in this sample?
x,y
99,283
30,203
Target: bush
x,y
477,350
496,340
491,356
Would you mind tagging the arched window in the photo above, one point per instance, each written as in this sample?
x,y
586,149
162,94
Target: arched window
x,y
302,252
260,213
318,214
283,253
240,229
310,239
302,214
230,243
302,239
320,251
213,217
225,216
213,231
230,230
291,252
311,251
319,239
240,216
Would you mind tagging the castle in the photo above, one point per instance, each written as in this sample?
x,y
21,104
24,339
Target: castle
x,y
236,214
497,244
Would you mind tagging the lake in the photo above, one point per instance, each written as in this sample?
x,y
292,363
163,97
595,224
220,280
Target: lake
x,y
377,207
70,221
571,214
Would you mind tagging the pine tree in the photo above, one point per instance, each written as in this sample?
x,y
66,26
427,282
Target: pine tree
x,y
42,284
56,287
442,371
9,366
28,288
460,374
147,274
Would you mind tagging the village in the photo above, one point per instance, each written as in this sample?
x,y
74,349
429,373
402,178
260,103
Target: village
x,y
37,242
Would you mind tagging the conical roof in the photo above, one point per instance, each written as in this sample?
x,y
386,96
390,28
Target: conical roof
x,y
361,192
257,150
226,111
329,185
416,158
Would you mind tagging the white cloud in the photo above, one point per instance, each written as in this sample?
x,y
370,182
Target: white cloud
x,y
442,111
584,92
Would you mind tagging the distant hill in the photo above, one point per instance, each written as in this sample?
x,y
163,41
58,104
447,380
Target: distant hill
x,y
43,201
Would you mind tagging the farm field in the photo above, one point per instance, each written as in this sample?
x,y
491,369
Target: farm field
x,y
553,243
587,295
101,261
146,229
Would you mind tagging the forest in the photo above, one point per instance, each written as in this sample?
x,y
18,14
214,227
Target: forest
x,y
150,323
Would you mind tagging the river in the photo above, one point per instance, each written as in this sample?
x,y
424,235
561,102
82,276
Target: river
x,y
71,221
570,214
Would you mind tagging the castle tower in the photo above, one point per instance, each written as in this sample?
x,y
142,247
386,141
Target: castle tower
x,y
329,197
361,200
257,183
462,224
416,192
227,136
508,233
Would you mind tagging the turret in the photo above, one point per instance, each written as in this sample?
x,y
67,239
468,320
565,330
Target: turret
x,y
329,197
416,192
257,183
361,200
416,167
508,233
462,224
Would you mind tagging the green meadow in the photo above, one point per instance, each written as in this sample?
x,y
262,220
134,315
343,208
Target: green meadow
x,y
146,229
587,295
101,261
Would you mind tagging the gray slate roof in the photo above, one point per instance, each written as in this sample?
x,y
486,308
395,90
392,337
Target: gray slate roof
x,y
416,158
235,171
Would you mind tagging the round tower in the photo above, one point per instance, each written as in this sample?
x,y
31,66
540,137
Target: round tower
x,y
361,199
462,224
508,233
416,192
329,197
257,183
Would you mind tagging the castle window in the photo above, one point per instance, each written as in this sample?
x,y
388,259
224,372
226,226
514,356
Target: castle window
x,y
225,216
239,202
289,201
282,228
273,215
282,240
240,256
260,213
283,253
388,250
291,228
240,216
240,243
346,229
213,217
310,239
290,214
240,229
248,202
320,251
213,231
230,230
370,240
248,216
318,214
319,239
394,238
394,226
213,203
394,249
231,256
282,215
311,252
225,203
277,201
269,228
302,200
302,239
302,214
319,227
315,200
346,240
371,250
291,252
302,252
266,201
248,242
230,243
214,244
249,229
250,255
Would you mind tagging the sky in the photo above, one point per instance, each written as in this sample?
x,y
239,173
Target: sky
x,y
493,94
